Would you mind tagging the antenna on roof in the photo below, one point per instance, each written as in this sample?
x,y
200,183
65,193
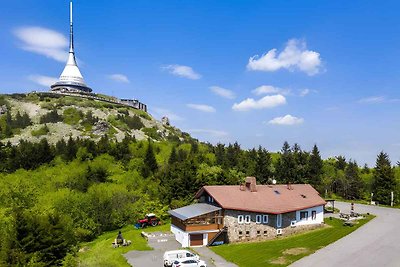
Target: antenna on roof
x,y
71,30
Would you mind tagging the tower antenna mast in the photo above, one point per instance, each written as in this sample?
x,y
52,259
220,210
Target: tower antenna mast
x,y
71,30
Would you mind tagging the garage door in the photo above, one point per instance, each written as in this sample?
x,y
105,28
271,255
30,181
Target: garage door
x,y
196,239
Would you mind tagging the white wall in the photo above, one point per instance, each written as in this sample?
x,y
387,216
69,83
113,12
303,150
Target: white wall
x,y
318,220
180,236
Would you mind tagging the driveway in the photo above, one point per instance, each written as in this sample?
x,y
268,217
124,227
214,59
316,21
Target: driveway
x,y
377,243
161,242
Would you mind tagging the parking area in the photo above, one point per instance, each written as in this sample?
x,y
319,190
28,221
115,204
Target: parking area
x,y
161,242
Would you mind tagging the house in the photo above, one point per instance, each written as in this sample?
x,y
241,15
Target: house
x,y
236,213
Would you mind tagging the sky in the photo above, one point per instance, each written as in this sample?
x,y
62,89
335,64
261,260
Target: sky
x,y
255,72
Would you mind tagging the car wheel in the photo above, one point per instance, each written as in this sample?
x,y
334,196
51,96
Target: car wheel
x,y
154,223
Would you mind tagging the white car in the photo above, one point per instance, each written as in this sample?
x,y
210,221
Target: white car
x,y
189,263
173,255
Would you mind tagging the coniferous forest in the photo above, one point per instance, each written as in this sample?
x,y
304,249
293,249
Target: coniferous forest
x,y
54,196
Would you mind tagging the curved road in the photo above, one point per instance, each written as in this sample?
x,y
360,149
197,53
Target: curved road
x,y
377,243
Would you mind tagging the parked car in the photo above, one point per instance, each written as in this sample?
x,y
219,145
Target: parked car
x,y
189,263
173,255
149,219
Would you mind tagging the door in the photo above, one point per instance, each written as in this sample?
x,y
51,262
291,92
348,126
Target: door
x,y
196,239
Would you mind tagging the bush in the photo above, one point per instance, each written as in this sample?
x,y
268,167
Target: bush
x,y
72,116
41,131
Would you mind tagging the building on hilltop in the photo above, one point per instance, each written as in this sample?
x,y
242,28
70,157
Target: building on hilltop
x,y
71,79
237,213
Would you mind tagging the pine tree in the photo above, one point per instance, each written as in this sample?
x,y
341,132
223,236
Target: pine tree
x,y
315,165
354,182
172,157
150,162
383,181
220,154
285,166
263,165
340,163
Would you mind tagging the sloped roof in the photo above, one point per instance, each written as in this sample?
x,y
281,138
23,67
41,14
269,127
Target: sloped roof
x,y
273,199
192,211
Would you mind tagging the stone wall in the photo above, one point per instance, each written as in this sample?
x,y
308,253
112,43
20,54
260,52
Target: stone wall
x,y
259,231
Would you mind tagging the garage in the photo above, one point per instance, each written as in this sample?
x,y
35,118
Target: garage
x,y
196,239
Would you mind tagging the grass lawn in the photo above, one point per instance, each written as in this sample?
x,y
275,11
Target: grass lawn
x,y
100,252
284,251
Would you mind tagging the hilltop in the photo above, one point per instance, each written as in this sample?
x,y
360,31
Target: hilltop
x,y
34,116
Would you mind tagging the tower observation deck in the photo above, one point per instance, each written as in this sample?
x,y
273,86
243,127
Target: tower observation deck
x,y
71,79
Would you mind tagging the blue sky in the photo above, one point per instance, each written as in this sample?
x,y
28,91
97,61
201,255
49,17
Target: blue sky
x,y
259,72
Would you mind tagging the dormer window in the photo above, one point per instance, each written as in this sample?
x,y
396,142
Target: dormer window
x,y
210,199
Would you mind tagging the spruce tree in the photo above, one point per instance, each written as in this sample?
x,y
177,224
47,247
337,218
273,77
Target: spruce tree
x,y
354,182
285,166
263,165
150,162
172,157
383,180
315,165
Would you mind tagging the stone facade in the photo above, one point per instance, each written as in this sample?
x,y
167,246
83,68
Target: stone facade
x,y
253,231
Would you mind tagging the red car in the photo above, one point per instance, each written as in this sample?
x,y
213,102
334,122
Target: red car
x,y
149,219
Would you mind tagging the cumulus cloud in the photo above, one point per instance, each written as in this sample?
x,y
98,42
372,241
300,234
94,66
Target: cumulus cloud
x,y
200,107
161,112
119,78
43,41
268,101
269,89
182,71
286,120
215,133
43,80
295,56
225,93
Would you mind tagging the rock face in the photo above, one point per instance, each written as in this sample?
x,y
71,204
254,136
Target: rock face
x,y
165,121
3,109
101,128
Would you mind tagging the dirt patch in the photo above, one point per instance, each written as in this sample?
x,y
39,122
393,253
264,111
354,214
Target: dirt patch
x,y
295,251
280,261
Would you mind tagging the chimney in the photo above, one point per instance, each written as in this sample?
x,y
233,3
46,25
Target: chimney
x,y
251,184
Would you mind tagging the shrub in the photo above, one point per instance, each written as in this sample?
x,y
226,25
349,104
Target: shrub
x,y
51,117
72,116
41,131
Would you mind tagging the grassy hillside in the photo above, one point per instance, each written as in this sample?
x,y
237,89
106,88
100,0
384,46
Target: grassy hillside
x,y
36,115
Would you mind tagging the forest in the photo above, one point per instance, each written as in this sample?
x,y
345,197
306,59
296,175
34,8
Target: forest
x,y
52,197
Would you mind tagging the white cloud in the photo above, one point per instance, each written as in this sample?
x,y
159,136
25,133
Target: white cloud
x,y
269,89
295,56
305,92
43,41
203,108
372,100
182,71
43,80
268,101
119,78
225,93
215,133
161,112
286,120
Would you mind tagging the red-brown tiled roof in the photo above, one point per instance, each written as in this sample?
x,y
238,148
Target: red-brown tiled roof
x,y
273,199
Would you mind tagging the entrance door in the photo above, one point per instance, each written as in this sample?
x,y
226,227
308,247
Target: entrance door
x,y
196,239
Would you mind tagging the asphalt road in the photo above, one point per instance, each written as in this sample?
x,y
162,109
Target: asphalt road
x,y
377,243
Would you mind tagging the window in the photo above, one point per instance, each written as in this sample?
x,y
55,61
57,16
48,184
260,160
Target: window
x,y
314,215
240,219
210,199
258,219
265,219
247,233
247,219
258,232
279,220
265,232
279,231
303,215
240,234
